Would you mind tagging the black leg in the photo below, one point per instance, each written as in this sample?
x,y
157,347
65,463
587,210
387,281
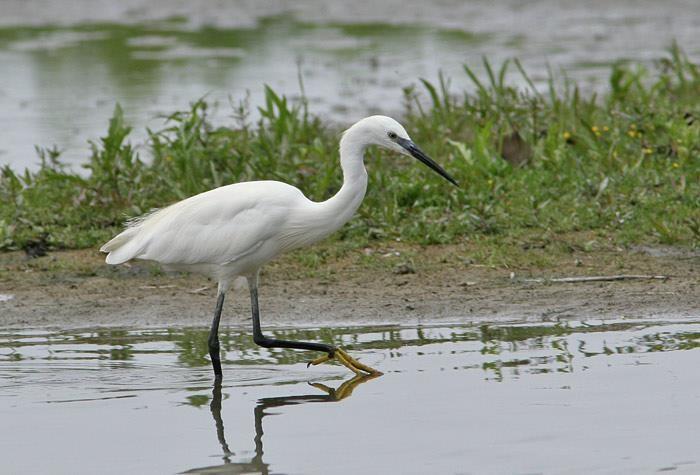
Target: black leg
x,y
214,339
266,342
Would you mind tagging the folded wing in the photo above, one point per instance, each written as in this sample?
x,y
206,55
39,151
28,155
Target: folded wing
x,y
215,227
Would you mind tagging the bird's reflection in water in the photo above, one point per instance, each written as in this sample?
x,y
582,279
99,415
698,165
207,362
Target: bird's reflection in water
x,y
256,464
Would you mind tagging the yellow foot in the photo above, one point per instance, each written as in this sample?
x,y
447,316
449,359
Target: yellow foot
x,y
345,389
346,360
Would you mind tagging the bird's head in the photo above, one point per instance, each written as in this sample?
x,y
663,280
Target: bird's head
x,y
387,133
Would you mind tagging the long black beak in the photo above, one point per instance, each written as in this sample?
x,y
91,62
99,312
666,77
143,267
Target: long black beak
x,y
420,155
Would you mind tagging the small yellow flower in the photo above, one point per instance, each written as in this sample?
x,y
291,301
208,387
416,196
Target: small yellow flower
x,y
594,128
606,128
632,133
675,165
566,135
647,151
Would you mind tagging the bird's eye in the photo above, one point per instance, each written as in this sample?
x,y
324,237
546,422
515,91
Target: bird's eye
x,y
392,135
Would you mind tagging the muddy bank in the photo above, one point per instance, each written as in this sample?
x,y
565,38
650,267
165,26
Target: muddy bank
x,y
74,288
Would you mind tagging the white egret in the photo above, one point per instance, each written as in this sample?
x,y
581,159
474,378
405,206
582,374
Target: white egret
x,y
232,231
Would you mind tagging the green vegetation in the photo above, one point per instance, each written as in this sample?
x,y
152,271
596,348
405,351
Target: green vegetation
x,y
625,166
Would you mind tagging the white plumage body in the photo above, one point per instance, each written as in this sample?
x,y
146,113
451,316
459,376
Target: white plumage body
x,y
230,231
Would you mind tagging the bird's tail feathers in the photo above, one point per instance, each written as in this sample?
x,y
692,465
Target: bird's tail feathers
x,y
127,245
122,247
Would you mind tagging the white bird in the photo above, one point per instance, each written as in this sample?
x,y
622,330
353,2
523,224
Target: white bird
x,y
232,231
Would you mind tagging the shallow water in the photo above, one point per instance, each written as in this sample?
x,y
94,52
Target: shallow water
x,y
621,397
65,64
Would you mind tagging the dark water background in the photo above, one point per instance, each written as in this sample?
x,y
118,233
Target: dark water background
x,y
64,64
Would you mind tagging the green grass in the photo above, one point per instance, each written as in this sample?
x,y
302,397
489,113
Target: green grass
x,y
625,166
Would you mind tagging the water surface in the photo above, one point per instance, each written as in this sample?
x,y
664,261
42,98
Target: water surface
x,y
620,397
64,64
